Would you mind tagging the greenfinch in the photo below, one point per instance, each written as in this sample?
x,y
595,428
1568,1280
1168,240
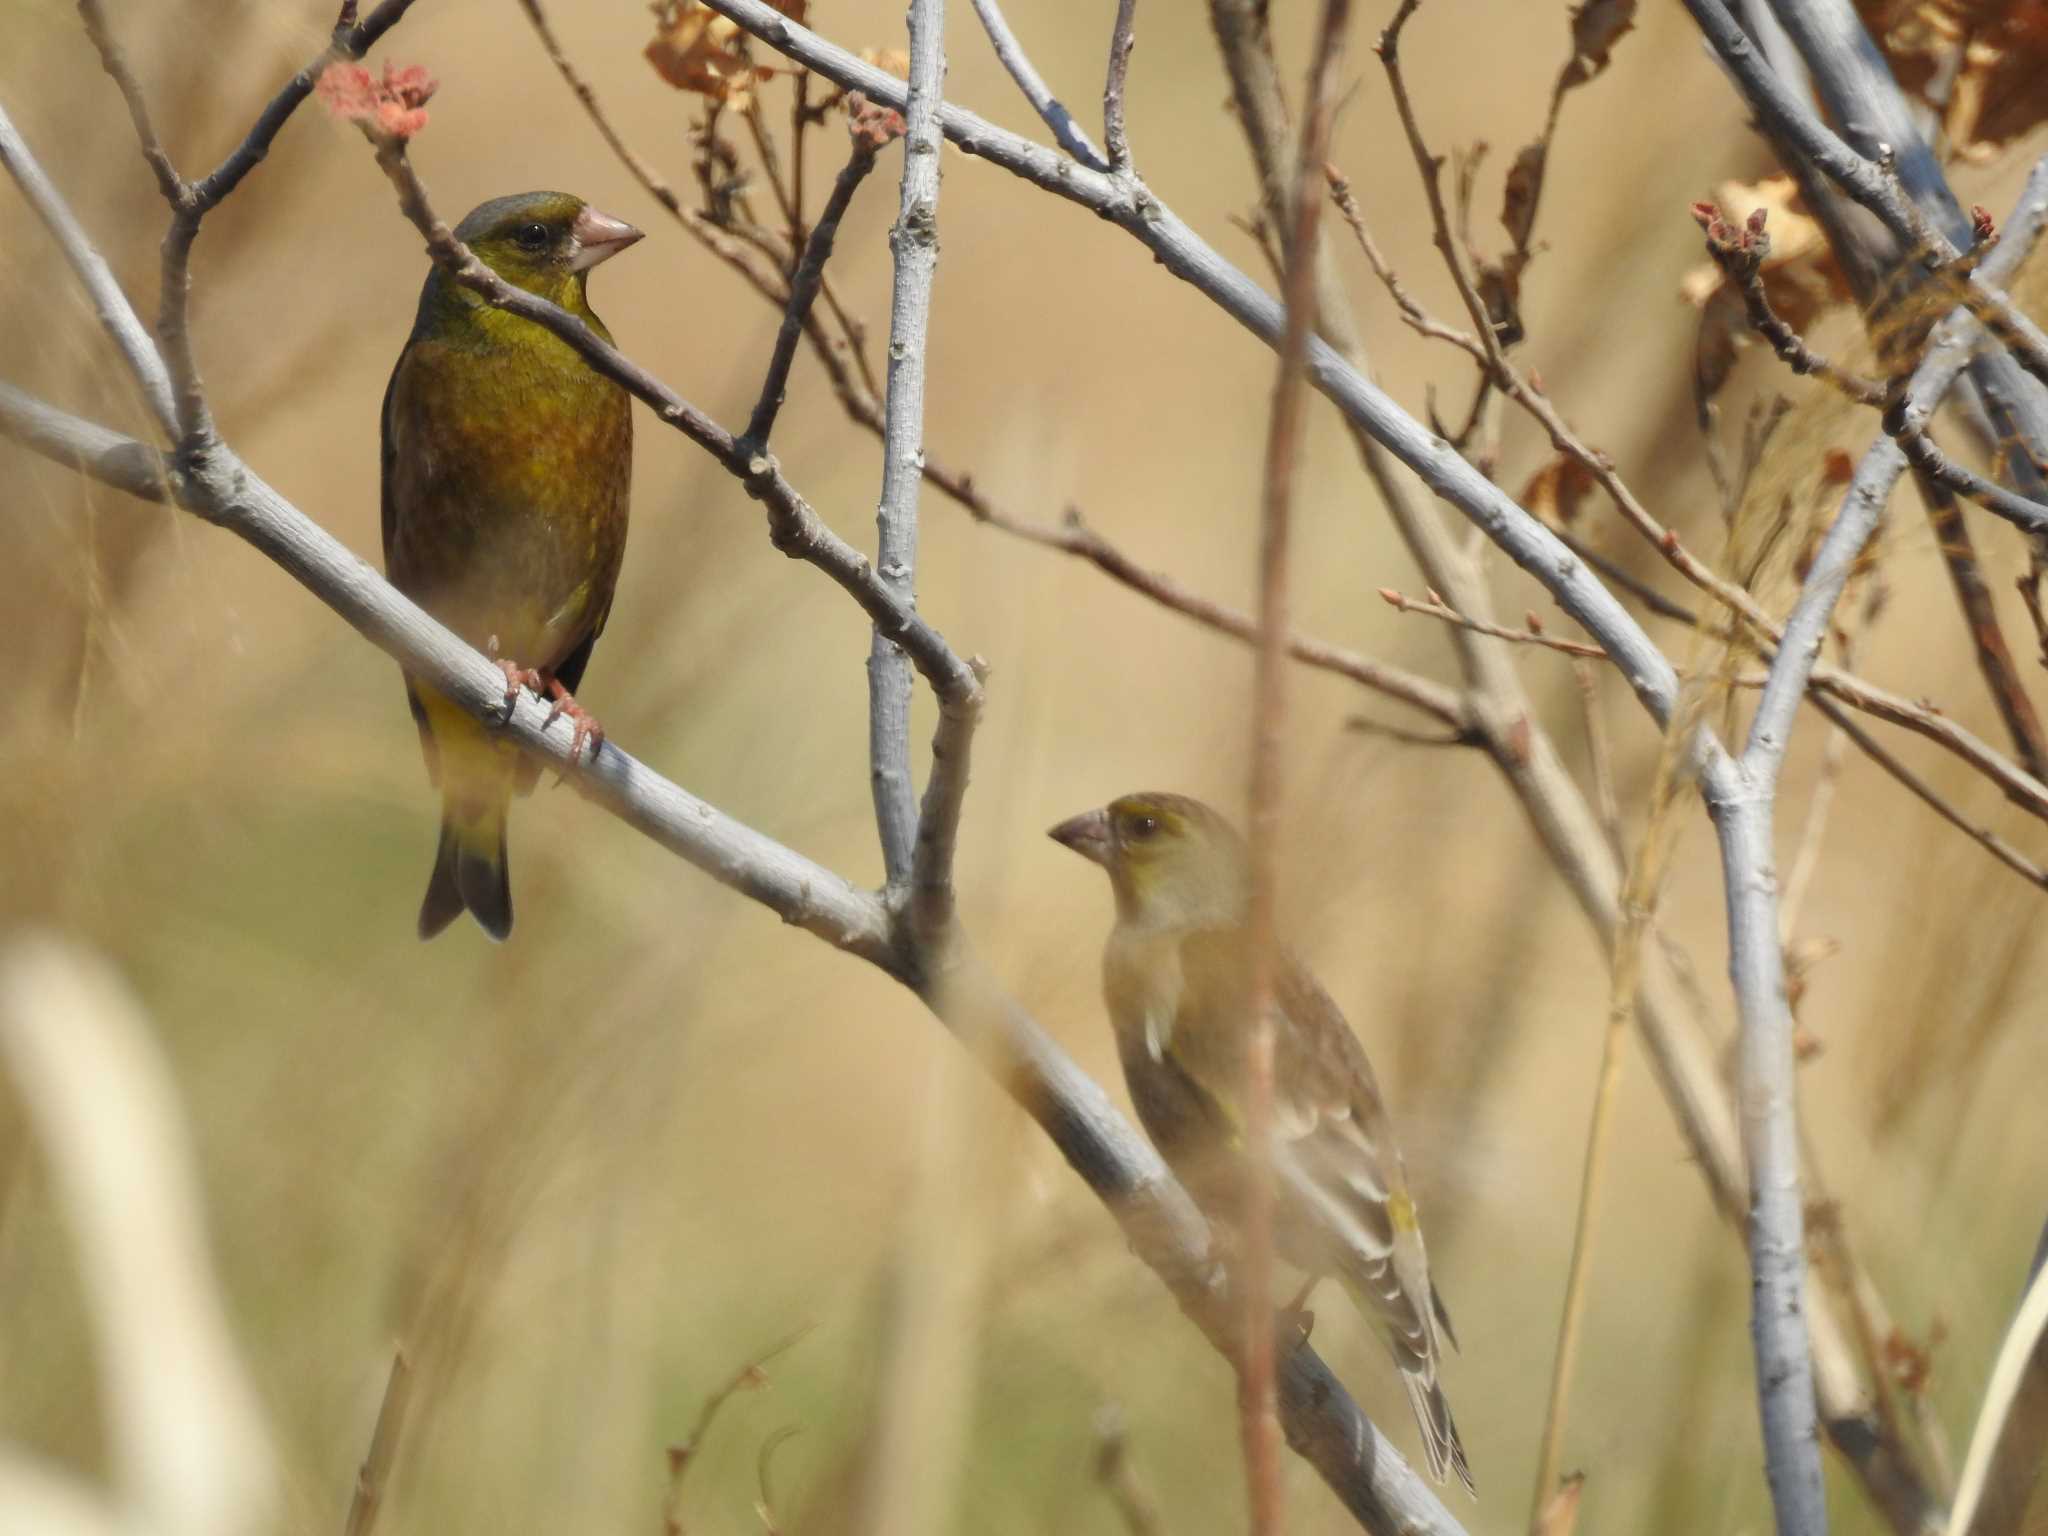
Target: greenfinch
x,y
1176,976
507,463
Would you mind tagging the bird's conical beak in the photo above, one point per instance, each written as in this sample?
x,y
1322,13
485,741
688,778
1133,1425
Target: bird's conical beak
x,y
599,237
1087,834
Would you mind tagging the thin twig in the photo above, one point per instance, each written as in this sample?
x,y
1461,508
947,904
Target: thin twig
x,y
374,1475
190,202
1739,252
1010,53
683,1453
115,61
1980,615
1494,359
1628,581
1601,755
1134,1506
1431,166
1434,607
351,40
116,316
1259,1427
734,252
642,171
2022,512
1076,538
1121,41
771,168
1924,791
1638,902
804,285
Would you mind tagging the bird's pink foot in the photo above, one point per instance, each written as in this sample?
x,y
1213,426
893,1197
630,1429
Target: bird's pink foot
x,y
516,678
586,728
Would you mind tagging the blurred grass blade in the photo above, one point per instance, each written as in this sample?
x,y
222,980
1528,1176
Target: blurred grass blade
x,y
2005,1450
190,1455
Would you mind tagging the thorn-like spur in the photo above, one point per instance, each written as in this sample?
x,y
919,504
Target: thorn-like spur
x,y
586,727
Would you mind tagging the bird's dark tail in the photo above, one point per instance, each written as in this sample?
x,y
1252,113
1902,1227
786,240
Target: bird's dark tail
x,y
469,872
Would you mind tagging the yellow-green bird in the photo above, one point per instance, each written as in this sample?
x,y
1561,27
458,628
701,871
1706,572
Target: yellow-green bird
x,y
507,463
1177,979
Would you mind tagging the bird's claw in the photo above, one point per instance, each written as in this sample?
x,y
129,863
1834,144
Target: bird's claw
x,y
516,678
562,705
585,728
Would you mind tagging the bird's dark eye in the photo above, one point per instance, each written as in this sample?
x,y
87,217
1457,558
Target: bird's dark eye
x,y
1138,828
532,236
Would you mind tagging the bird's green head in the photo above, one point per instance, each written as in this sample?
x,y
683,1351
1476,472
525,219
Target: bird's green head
x,y
1173,861
544,242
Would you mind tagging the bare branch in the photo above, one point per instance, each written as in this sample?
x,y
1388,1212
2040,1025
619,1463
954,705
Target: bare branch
x,y
115,61
810,274
1436,608
2012,858
117,317
94,450
1418,319
1739,253
1912,198
1010,53
1121,41
1134,208
914,245
1076,538
1431,167
1862,509
1743,803
1269,706
2024,514
351,41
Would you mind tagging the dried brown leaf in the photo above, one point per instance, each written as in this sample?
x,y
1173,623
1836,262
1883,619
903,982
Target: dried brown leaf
x,y
1596,27
892,61
1524,186
2002,46
1557,490
696,49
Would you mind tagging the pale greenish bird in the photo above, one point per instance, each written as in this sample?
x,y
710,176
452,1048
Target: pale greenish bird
x,y
1176,976
507,465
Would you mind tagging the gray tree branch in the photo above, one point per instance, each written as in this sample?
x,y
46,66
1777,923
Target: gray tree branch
x,y
914,247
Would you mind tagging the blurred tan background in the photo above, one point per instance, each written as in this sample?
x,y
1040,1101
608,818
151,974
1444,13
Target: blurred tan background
x,y
593,1172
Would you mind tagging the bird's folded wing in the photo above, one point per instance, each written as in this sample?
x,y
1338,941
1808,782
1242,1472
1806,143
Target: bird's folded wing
x,y
1334,1154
